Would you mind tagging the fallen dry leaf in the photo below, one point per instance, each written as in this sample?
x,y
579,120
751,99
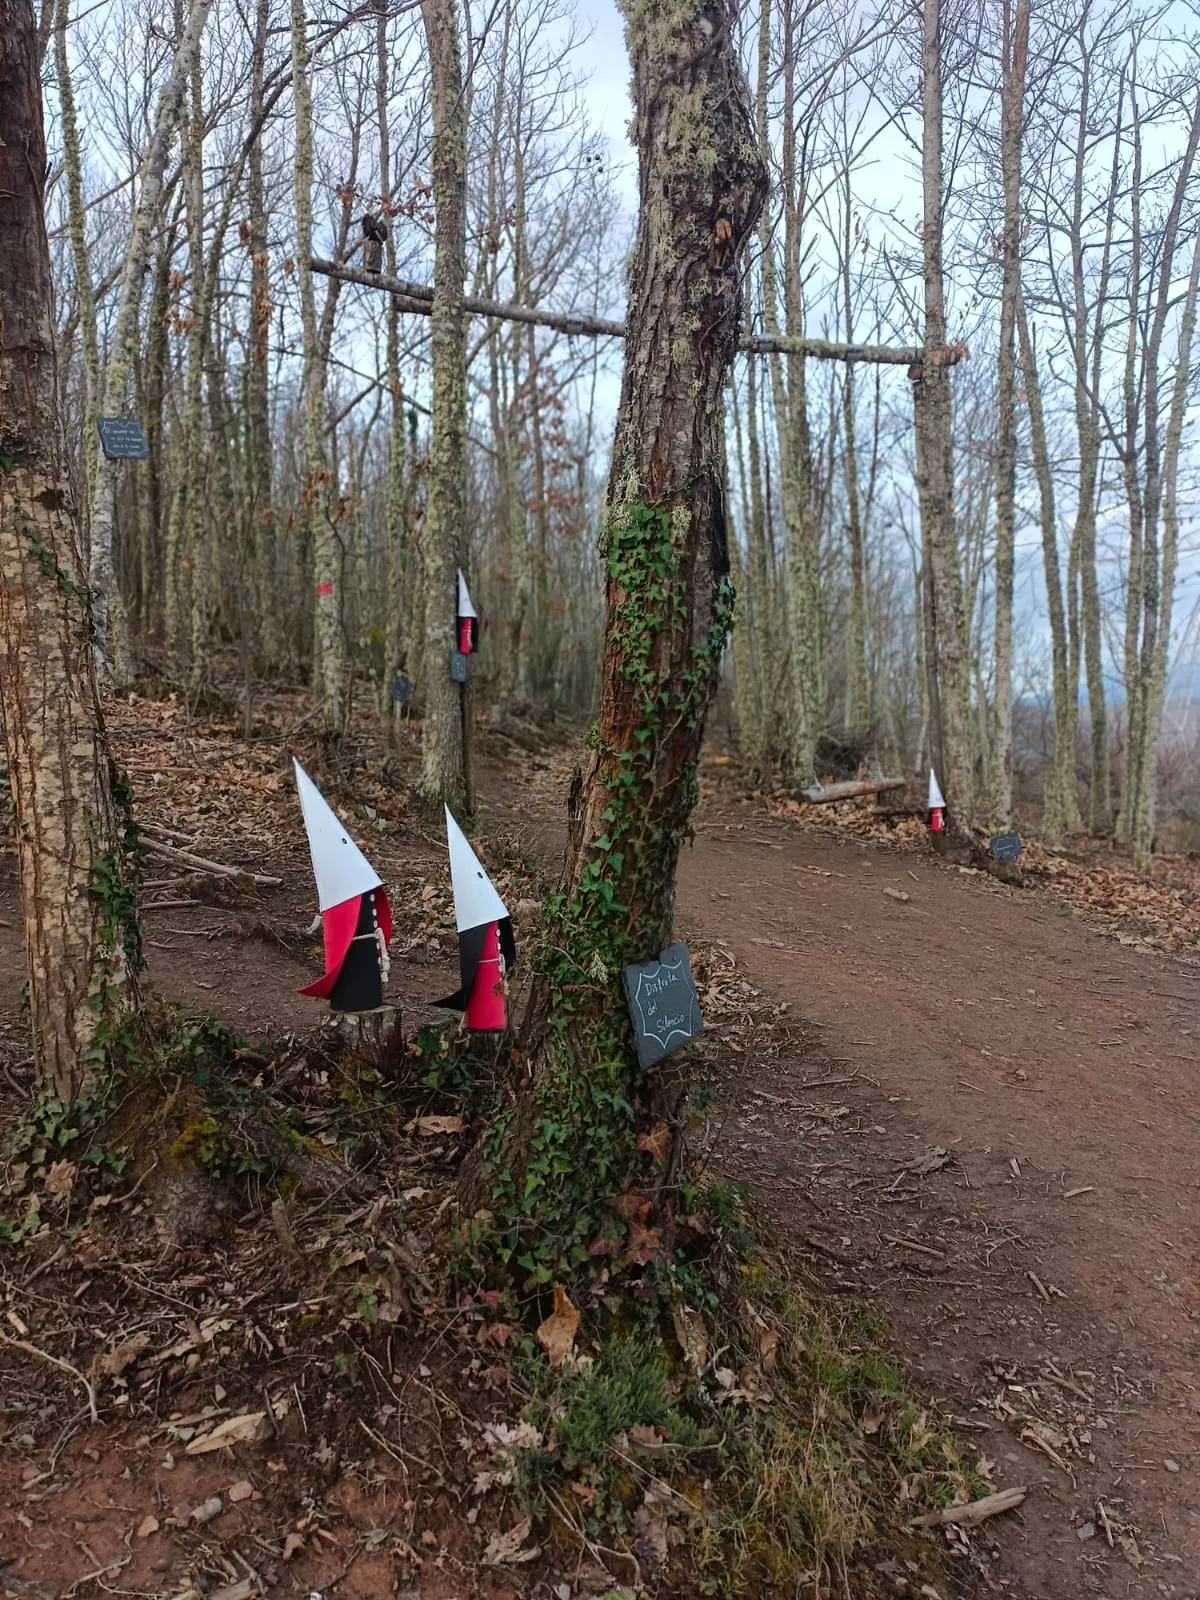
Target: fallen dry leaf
x,y
234,1430
241,1491
557,1334
650,1545
692,1336
768,1348
430,1127
897,894
647,1440
146,1527
114,1362
60,1177
292,1545
506,1549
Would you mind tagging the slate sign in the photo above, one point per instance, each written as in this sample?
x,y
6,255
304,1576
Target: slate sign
x,y
662,1003
458,667
122,439
1006,847
401,689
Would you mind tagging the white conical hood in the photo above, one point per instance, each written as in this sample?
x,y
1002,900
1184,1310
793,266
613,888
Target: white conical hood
x,y
339,866
465,608
937,801
475,899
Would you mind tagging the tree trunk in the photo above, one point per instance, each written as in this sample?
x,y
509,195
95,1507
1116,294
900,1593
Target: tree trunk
x,y
669,604
946,635
77,229
1012,110
261,540
129,296
444,752
80,934
1060,814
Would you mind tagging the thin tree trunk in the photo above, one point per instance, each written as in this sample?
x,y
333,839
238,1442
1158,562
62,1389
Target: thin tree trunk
x,y
396,518
1143,837
1060,812
129,295
329,642
77,229
444,753
946,636
261,538
1012,111
80,934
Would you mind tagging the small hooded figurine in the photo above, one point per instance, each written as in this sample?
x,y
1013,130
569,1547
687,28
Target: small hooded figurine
x,y
356,919
937,805
466,630
374,238
486,947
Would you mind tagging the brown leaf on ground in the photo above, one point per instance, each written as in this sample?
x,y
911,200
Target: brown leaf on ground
x,y
650,1546
557,1334
657,1142
430,1127
504,1549
692,1336
60,1178
234,1430
768,1348
647,1440
114,1362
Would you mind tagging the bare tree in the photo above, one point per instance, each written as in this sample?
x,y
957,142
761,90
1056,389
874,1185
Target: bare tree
x,y
80,937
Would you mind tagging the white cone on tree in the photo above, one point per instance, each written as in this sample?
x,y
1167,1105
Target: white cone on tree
x,y
937,801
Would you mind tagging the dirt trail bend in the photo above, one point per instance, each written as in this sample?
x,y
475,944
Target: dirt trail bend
x,y
1060,1235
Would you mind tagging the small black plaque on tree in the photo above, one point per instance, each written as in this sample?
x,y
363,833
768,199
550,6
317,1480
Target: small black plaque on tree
x,y
122,439
1006,847
662,1003
458,667
401,689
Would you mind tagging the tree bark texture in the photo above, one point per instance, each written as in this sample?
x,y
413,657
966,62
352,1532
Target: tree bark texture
x,y
946,645
669,604
72,896
444,754
1012,111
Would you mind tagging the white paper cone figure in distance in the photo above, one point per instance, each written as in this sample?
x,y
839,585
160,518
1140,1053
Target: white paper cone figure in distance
x,y
937,805
466,622
486,947
356,919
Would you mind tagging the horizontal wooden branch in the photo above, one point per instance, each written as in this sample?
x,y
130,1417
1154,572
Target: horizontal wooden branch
x,y
824,794
418,298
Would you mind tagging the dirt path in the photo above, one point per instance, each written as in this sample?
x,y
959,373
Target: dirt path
x,y
1048,1286
980,1119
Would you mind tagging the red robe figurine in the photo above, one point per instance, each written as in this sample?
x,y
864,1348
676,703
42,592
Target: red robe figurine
x,y
486,947
356,919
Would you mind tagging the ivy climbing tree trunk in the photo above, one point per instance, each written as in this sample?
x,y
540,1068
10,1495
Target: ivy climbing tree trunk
x,y
573,1141
444,754
76,910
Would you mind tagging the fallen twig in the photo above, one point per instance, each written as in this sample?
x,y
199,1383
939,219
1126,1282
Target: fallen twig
x,y
199,864
63,1366
974,1511
911,1244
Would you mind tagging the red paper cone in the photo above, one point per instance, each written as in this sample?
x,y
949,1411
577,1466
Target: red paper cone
x,y
485,1008
464,635
937,820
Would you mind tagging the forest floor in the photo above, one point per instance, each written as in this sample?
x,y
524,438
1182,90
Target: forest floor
x,y
967,1105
